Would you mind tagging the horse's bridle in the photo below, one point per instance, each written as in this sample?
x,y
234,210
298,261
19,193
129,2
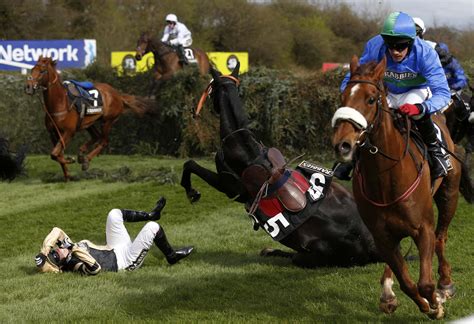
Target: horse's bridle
x,y
208,91
373,126
39,79
371,129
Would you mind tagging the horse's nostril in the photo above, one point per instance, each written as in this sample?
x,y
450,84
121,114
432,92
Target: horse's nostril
x,y
343,148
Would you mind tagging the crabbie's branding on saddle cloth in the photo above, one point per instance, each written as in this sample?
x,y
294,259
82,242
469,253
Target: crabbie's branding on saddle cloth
x,y
279,222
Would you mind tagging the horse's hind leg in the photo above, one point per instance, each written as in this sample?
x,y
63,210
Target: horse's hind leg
x,y
104,141
95,135
446,201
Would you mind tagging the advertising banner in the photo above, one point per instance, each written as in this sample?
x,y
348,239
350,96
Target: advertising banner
x,y
23,54
223,61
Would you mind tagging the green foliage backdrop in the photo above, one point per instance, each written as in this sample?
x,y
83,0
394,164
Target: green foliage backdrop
x,y
287,111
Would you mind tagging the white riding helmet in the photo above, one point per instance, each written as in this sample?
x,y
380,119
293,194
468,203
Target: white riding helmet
x,y
421,24
172,17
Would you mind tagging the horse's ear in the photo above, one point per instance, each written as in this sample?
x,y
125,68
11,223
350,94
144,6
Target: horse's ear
x,y
354,64
380,68
215,74
235,72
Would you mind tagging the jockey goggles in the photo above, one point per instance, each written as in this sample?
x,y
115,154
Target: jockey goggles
x,y
398,46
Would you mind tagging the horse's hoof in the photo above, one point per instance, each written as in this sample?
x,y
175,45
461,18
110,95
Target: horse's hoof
x,y
70,160
266,251
194,195
437,313
448,291
80,159
388,306
85,165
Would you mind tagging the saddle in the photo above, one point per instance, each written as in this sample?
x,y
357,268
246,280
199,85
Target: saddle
x,y
85,97
286,185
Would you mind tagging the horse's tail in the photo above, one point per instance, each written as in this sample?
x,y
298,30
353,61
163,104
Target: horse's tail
x,y
139,106
11,165
465,187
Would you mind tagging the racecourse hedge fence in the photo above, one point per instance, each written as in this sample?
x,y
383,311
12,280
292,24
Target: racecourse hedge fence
x,y
287,111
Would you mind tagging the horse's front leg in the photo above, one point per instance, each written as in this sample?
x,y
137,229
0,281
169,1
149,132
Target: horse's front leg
x,y
189,167
388,299
425,242
393,257
155,84
57,153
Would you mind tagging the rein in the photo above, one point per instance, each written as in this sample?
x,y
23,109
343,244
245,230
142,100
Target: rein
x,y
43,103
371,129
208,91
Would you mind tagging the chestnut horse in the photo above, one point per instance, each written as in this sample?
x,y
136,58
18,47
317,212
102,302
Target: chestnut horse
x,y
333,234
393,190
166,59
63,121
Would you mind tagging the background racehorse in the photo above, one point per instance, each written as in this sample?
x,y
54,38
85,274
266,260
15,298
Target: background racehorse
x,y
458,124
11,164
63,121
392,188
333,234
166,59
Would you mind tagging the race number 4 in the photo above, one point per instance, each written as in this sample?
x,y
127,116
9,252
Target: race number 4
x,y
272,227
316,190
94,94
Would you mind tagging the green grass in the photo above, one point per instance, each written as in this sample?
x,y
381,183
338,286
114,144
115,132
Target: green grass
x,y
225,280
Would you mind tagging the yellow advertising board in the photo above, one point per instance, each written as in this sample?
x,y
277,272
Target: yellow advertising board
x,y
223,61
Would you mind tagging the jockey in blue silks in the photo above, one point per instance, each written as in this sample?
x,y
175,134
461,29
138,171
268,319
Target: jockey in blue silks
x,y
457,79
415,81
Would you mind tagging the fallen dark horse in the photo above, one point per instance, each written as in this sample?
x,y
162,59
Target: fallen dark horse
x,y
11,165
328,232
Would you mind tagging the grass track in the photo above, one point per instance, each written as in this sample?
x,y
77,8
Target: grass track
x,y
223,281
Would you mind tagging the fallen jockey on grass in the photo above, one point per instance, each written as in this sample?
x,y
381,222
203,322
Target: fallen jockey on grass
x,y
60,254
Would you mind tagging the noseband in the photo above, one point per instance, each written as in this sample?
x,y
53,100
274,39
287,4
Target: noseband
x,y
41,77
363,141
371,129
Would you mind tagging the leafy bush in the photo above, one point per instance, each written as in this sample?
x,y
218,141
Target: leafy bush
x,y
290,112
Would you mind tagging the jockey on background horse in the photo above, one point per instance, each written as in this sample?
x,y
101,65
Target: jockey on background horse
x,y
415,81
177,35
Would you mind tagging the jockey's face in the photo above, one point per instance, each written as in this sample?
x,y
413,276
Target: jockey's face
x,y
398,51
171,24
398,54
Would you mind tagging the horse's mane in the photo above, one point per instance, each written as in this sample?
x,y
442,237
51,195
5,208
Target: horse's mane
x,y
365,69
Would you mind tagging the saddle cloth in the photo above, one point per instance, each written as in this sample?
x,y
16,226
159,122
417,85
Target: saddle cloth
x,y
189,53
86,98
308,181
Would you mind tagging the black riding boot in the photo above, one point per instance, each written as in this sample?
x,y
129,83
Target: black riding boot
x,y
342,170
172,255
181,55
440,164
140,216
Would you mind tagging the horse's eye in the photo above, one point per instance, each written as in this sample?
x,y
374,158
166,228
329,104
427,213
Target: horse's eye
x,y
371,100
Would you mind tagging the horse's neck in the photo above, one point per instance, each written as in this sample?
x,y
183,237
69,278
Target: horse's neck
x,y
55,96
